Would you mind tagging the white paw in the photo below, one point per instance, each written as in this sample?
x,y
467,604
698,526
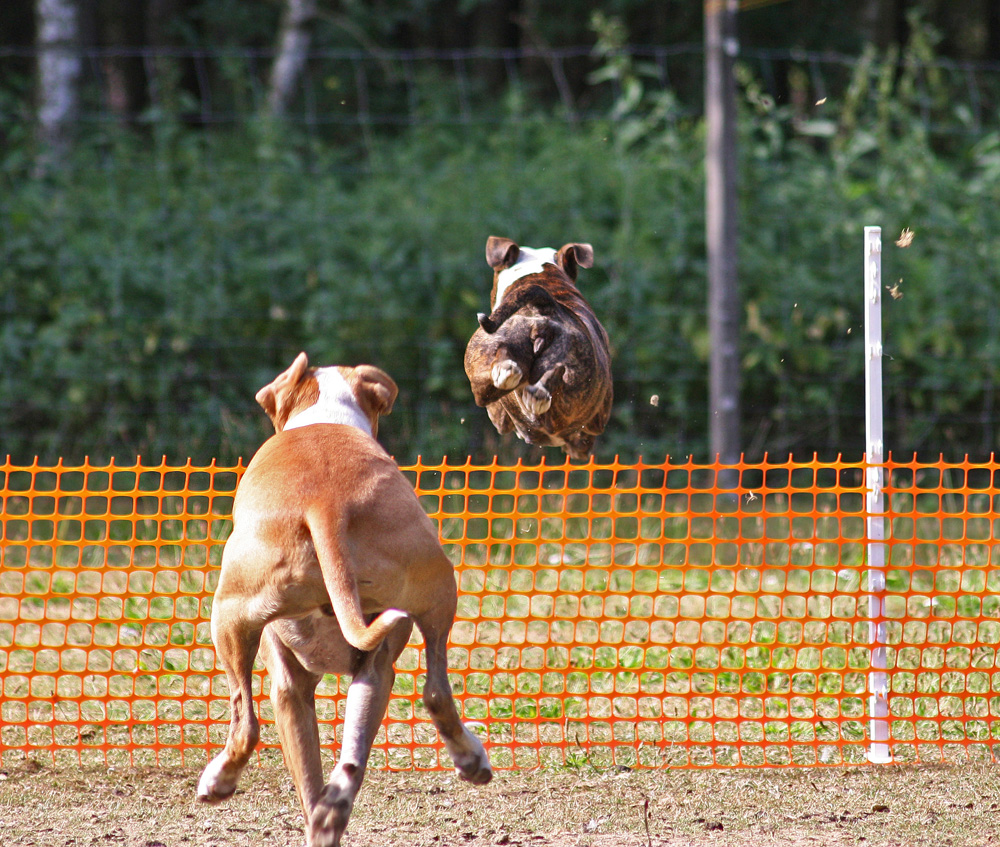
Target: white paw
x,y
474,766
536,399
506,375
217,782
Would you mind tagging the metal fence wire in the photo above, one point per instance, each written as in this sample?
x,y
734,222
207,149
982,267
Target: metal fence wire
x,y
389,88
631,615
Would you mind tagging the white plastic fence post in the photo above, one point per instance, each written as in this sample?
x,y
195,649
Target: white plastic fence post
x,y
878,681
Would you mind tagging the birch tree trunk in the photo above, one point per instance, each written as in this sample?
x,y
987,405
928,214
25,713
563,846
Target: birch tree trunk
x,y
59,65
290,59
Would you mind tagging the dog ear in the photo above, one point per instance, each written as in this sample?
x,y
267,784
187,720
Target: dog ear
x,y
270,395
501,252
571,256
375,390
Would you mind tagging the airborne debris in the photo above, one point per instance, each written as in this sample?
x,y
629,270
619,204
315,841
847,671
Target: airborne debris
x,y
905,238
894,291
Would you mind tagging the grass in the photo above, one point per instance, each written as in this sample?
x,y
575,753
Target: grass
x,y
582,807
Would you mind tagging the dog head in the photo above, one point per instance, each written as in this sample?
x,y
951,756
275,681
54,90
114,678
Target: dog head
x,y
303,395
511,262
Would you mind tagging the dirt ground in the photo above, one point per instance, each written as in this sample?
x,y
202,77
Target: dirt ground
x,y
957,806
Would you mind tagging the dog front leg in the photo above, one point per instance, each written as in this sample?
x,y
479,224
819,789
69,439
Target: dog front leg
x,y
236,642
367,700
499,417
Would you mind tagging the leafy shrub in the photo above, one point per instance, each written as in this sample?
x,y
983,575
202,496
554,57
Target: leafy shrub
x,y
149,289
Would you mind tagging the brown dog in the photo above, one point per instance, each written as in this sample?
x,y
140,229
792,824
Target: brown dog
x,y
330,562
540,363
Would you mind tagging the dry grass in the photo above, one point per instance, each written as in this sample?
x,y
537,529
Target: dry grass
x,y
958,806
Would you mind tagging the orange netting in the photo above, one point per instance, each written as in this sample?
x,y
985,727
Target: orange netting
x,y
638,615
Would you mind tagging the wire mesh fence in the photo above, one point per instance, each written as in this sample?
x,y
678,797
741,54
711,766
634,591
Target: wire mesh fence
x,y
394,87
615,615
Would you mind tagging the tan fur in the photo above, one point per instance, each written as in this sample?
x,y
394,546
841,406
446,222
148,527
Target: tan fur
x,y
331,561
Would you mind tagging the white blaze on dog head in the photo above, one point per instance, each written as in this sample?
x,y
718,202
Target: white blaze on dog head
x,y
339,395
530,260
511,262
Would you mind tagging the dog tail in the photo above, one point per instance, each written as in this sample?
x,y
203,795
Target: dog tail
x,y
343,590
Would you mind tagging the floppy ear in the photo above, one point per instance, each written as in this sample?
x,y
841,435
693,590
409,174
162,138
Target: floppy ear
x,y
268,402
571,256
271,395
501,252
376,390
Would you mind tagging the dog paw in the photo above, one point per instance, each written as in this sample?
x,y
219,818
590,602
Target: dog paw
x,y
480,776
329,816
217,782
536,399
473,765
506,375
579,445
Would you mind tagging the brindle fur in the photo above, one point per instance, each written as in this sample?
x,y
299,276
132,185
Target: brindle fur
x,y
546,330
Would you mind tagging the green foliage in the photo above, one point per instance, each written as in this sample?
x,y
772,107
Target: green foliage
x,y
148,290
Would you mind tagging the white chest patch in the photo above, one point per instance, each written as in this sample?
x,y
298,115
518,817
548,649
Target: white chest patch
x,y
336,404
530,260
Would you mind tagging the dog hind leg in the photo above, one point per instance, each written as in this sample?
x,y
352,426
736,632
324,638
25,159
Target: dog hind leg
x,y
466,751
293,697
506,373
537,398
367,699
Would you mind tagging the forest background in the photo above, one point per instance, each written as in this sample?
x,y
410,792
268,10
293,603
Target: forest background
x,y
197,226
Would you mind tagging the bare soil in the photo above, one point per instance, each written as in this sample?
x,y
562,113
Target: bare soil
x,y
149,807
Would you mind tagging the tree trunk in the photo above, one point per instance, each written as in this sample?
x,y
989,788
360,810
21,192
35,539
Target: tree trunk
x,y
992,32
122,25
169,74
494,27
59,65
720,229
883,22
293,49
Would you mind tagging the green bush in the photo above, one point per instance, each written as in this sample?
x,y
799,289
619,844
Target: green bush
x,y
150,288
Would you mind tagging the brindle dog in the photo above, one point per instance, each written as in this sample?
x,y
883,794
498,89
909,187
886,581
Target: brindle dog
x,y
540,362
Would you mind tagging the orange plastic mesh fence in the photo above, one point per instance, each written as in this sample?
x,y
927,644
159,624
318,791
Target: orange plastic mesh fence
x,y
638,615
